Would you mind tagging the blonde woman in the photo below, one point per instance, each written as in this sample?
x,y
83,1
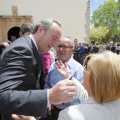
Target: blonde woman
x,y
102,81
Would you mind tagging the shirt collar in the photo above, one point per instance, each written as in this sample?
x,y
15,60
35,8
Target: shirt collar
x,y
69,62
32,38
90,100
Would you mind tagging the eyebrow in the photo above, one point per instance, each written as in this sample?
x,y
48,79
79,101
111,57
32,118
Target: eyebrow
x,y
54,36
65,45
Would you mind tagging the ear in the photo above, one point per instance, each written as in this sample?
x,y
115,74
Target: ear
x,y
40,28
20,34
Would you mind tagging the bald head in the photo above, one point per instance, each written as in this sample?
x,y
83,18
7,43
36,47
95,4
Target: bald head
x,y
67,40
64,49
5,44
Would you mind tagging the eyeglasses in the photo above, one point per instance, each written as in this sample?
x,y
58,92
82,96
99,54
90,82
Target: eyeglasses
x,y
64,46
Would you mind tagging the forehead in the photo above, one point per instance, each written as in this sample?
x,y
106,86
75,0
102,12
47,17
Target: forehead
x,y
75,40
55,29
65,41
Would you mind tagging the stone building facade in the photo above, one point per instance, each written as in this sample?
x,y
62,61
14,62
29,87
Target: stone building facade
x,y
10,25
73,15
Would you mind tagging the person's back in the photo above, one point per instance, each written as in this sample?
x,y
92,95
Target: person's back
x,y
90,110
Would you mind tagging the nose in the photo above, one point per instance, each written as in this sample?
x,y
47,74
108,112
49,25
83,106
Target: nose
x,y
61,48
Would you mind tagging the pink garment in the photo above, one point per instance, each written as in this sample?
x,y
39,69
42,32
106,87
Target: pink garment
x,y
47,61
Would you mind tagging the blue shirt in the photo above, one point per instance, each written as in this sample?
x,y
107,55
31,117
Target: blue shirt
x,y
76,70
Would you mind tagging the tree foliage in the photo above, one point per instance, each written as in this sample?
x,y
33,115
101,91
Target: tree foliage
x,y
108,16
98,33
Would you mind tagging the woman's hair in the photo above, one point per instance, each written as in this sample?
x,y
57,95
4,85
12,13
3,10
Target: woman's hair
x,y
46,24
104,76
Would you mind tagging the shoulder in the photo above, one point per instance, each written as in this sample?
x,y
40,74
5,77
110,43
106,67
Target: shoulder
x,y
19,48
71,113
19,43
77,65
52,67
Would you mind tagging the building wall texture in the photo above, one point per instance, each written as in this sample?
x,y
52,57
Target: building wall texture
x,y
72,14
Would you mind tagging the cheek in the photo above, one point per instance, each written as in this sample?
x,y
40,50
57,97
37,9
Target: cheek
x,y
51,42
54,43
67,55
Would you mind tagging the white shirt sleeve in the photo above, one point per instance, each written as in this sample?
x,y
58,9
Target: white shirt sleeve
x,y
81,92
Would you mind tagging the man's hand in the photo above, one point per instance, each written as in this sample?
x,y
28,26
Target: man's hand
x,y
22,117
62,92
63,68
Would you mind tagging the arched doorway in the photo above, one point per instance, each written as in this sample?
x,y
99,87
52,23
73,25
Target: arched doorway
x,y
13,33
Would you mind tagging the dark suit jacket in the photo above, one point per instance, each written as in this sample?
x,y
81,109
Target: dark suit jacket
x,y
93,49
111,48
21,70
83,53
76,55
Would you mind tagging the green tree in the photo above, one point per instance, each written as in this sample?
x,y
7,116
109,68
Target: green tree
x,y
108,15
98,34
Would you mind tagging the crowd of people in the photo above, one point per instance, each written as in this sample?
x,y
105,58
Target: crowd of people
x,y
45,76
83,49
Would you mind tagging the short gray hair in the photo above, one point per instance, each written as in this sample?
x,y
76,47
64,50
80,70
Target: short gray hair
x,y
46,24
26,27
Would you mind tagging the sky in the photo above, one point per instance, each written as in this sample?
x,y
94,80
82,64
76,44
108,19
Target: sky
x,y
94,4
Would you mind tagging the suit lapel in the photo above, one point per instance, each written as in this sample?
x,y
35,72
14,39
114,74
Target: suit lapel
x,y
38,58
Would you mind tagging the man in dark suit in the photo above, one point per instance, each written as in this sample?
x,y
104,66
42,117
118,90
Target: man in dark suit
x,y
20,76
111,47
76,52
92,48
83,52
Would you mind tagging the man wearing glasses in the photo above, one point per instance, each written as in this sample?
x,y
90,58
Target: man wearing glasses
x,y
64,51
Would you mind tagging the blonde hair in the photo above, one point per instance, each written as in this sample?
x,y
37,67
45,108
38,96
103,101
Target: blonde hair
x,y
105,76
